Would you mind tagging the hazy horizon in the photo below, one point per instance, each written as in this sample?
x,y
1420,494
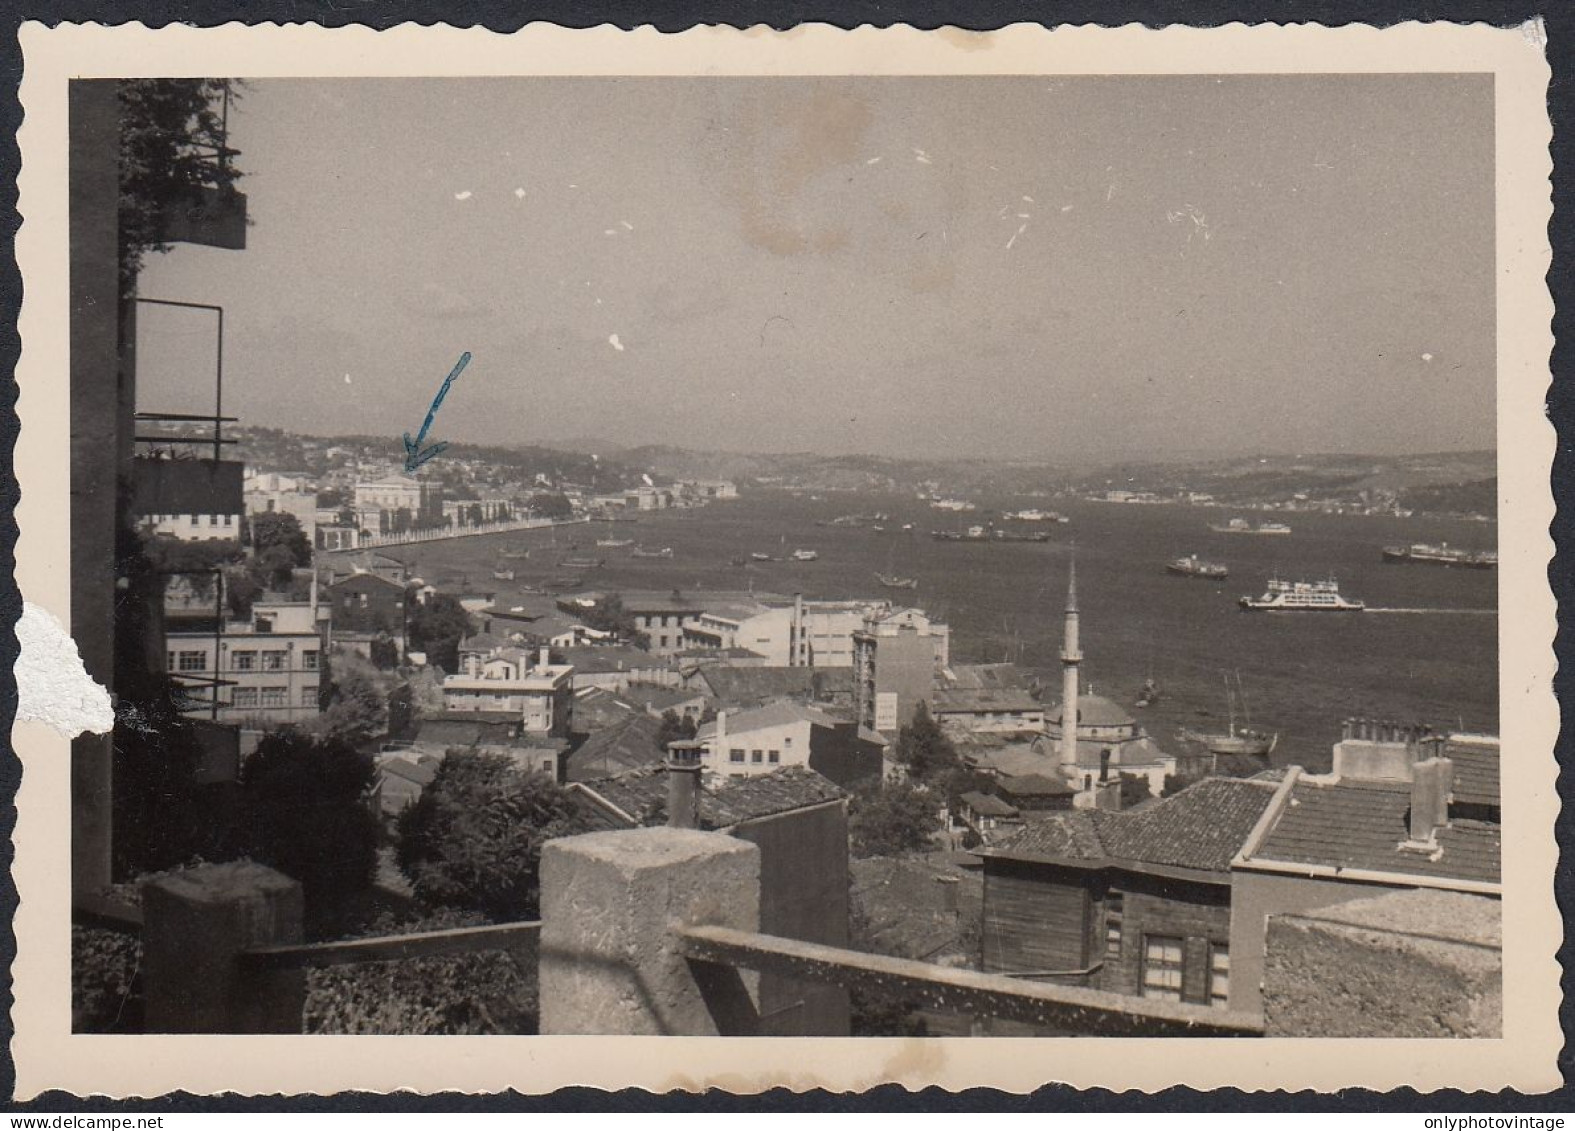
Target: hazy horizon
x,y
1031,269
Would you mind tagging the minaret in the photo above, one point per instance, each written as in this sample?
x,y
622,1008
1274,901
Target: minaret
x,y
1071,657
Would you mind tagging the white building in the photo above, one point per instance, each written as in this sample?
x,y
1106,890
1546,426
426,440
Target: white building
x,y
268,670
193,527
268,492
513,681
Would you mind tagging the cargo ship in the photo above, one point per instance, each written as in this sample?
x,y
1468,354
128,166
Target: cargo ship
x,y
1302,597
1194,566
1242,526
1420,553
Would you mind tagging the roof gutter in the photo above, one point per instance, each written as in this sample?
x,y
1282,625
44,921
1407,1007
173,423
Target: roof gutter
x,y
1369,876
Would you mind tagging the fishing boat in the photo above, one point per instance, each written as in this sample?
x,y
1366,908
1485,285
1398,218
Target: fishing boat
x,y
581,563
805,555
1245,741
642,552
1421,553
892,581
1302,597
614,542
515,555
1194,566
759,557
1242,526
503,575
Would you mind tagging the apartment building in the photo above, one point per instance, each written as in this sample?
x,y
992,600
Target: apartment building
x,y
262,672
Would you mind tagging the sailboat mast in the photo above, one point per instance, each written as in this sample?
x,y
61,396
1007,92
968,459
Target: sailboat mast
x,y
1230,705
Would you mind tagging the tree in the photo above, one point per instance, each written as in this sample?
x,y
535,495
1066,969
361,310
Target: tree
x,y
171,149
437,627
384,653
473,839
895,820
305,809
550,505
476,517
922,746
1134,788
357,708
674,728
276,530
609,615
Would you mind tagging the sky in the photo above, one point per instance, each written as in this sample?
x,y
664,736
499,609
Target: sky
x,y
1061,269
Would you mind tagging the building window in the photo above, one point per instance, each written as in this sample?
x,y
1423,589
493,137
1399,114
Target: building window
x,y
788,742
1219,975
1115,905
263,625
243,697
735,755
1162,967
245,661
229,520
309,660
308,696
774,757
757,756
275,696
192,661
273,660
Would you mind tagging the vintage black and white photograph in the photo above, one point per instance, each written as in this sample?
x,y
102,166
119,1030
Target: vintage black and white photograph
x,y
814,555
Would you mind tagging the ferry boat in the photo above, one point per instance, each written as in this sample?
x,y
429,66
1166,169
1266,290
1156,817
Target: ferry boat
x,y
892,581
1302,597
1242,526
1194,566
804,555
1420,553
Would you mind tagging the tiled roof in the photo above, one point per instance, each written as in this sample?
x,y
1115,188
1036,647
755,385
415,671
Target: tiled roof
x,y
595,658
977,677
1476,772
1096,710
983,699
481,642
1201,828
1034,785
724,802
412,772
658,699
987,806
1362,825
780,713
623,746
744,685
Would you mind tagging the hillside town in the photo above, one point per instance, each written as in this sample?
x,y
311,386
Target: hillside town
x,y
362,761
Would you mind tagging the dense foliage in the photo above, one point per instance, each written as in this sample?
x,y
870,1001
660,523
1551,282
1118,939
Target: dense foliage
x,y
169,133
106,994
305,811
922,747
473,839
487,992
357,708
893,820
436,628
276,531
609,615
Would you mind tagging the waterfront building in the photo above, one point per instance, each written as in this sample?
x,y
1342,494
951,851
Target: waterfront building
x,y
800,633
382,505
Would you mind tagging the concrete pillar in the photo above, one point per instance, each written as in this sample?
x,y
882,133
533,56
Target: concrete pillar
x,y
195,925
610,963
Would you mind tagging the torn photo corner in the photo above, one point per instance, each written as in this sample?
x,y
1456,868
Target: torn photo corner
x,y
959,559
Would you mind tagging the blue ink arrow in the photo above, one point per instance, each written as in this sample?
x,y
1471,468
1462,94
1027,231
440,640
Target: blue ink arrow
x,y
415,454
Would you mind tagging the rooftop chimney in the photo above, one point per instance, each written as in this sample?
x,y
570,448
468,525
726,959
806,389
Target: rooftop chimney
x,y
1431,784
683,785
543,658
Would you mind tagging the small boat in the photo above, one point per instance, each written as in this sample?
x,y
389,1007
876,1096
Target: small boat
x,y
503,575
1149,695
805,555
1420,553
612,542
738,561
1302,597
1021,535
1242,526
1194,566
759,557
581,563
567,581
878,528
642,552
1246,741
907,526
515,555
892,581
